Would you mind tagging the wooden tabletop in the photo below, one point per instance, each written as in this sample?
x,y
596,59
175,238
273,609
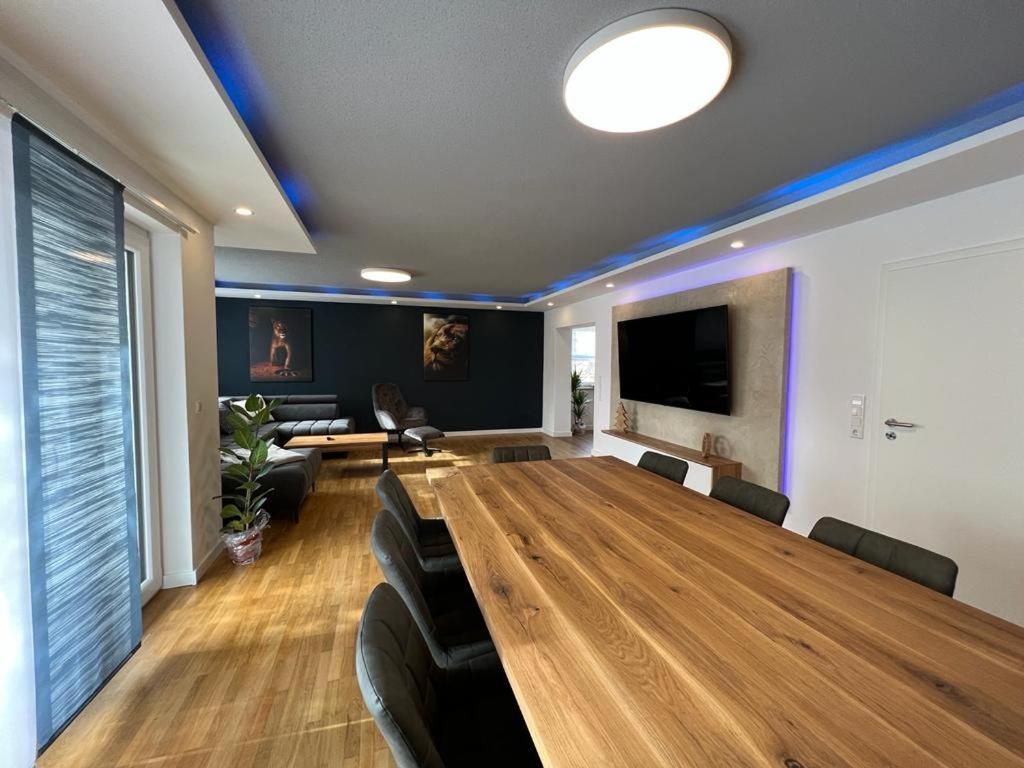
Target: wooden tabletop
x,y
342,442
643,624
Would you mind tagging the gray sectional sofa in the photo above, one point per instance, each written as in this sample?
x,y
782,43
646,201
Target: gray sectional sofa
x,y
296,415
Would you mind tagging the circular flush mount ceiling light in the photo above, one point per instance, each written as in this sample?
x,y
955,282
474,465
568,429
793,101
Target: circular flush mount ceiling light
x,y
647,70
243,211
385,275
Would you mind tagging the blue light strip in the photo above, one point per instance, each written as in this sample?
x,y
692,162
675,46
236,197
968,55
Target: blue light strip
x,y
240,78
999,109
384,293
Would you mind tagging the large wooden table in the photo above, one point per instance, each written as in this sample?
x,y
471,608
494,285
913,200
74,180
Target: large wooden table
x,y
642,624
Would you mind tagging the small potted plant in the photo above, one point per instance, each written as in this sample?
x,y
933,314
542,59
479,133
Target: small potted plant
x,y
579,401
243,514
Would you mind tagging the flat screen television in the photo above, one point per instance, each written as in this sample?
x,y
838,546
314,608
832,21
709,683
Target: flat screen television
x,y
681,359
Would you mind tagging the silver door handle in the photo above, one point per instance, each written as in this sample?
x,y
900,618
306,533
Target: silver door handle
x,y
898,423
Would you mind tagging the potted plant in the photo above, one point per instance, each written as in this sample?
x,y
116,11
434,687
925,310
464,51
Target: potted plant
x,y
579,400
243,514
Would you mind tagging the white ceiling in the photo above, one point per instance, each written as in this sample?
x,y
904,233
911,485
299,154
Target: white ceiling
x,y
129,70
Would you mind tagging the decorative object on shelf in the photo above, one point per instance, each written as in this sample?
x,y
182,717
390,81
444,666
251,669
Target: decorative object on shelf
x,y
445,347
622,419
578,401
243,515
705,445
280,344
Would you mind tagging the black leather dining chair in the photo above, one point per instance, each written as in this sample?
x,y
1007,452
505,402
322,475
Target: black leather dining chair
x,y
429,536
908,560
431,717
668,467
505,453
442,604
757,500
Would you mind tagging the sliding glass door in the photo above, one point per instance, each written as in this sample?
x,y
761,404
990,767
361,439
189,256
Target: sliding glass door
x,y
80,426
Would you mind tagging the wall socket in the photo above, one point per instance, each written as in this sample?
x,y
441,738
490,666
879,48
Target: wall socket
x,y
857,416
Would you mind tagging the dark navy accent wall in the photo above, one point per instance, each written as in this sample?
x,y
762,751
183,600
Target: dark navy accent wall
x,y
357,345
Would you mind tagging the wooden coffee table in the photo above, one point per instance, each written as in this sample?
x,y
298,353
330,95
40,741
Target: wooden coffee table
x,y
344,443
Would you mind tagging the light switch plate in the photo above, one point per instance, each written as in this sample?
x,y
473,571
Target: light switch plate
x,y
857,416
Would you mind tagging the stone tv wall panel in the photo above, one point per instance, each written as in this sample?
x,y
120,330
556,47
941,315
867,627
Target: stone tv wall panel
x,y
759,314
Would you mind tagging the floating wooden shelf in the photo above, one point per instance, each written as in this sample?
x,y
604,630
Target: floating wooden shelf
x,y
719,465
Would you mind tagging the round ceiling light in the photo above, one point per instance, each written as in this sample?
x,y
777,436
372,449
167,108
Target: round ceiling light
x,y
243,211
385,275
648,70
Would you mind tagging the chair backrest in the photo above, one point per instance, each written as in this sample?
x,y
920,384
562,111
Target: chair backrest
x,y
398,679
668,467
388,397
396,500
403,571
755,499
504,453
908,560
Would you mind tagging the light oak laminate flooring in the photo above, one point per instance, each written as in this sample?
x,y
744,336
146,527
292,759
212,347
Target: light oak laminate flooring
x,y
254,667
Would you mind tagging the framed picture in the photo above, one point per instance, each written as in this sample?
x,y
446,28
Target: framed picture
x,y
445,347
280,344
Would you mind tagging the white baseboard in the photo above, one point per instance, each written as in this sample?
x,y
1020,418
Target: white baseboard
x,y
179,579
557,433
210,559
191,578
479,432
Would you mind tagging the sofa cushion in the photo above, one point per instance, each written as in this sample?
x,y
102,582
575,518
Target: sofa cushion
x,y
314,457
305,411
286,430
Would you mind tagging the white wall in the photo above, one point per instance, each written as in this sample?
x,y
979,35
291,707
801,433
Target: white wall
x,y
837,277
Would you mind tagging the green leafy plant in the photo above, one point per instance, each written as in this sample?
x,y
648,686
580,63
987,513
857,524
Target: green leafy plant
x,y
244,508
578,397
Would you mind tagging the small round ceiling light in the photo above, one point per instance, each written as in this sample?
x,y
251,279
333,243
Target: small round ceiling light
x,y
393,301
257,295
647,71
736,244
385,275
243,211
551,303
609,285
499,307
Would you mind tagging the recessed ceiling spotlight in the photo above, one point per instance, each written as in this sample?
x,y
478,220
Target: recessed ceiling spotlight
x,y
499,306
737,244
257,295
551,303
243,211
647,70
385,275
393,301
609,285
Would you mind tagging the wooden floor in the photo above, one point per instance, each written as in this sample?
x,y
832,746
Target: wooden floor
x,y
254,667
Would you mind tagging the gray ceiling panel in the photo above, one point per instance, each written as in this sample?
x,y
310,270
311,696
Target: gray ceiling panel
x,y
432,135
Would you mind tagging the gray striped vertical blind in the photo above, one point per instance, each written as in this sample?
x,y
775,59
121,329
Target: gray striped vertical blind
x,y
76,364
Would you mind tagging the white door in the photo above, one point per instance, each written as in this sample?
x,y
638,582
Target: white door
x,y
952,365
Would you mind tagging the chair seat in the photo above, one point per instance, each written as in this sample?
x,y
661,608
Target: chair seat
x,y
422,434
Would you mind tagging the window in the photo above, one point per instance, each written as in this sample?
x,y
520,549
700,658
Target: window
x,y
583,349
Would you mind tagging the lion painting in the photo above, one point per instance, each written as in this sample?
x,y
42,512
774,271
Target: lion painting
x,y
280,345
445,347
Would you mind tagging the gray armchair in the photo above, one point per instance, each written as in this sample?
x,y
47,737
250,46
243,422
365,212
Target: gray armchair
x,y
393,415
